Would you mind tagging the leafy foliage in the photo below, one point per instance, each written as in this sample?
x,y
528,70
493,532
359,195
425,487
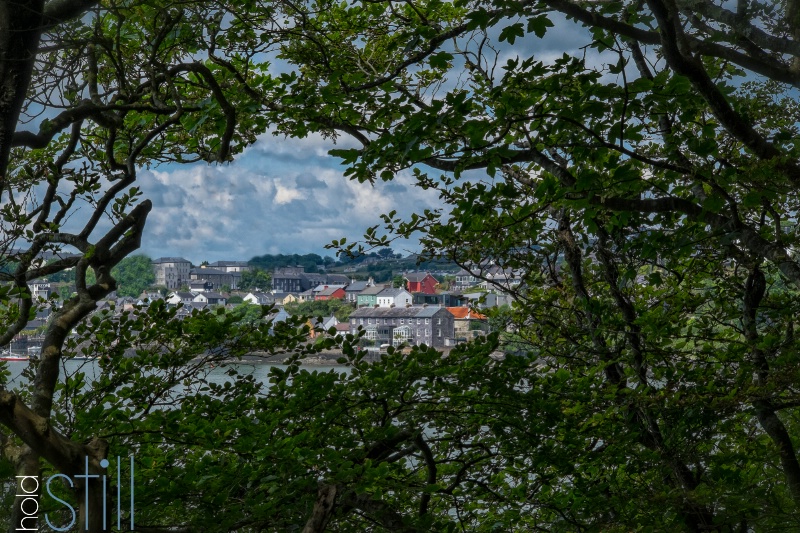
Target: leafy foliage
x,y
269,262
92,93
644,188
134,274
322,308
255,279
199,459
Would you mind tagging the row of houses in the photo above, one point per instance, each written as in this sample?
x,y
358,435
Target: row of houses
x,y
414,314
196,297
487,276
359,293
434,326
385,323
393,320
296,279
176,272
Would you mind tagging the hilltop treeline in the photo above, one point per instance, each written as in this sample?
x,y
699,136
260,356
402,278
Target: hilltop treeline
x,y
310,262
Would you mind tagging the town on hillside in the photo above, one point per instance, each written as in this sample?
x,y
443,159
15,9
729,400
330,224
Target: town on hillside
x,y
437,308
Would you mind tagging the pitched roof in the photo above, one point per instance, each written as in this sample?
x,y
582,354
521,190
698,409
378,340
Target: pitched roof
x,y
171,260
288,272
398,312
329,291
261,296
418,276
371,291
425,312
213,295
391,292
282,295
356,286
228,263
465,313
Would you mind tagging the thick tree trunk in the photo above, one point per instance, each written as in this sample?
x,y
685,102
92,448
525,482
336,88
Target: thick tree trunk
x,y
20,31
322,511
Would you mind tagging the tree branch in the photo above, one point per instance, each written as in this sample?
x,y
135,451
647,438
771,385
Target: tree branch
x,y
58,11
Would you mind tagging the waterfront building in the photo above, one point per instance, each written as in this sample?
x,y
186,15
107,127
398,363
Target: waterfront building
x,y
432,326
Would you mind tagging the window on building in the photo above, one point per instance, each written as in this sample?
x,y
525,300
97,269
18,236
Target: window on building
x,y
427,320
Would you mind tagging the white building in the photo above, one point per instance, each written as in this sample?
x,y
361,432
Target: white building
x,y
394,297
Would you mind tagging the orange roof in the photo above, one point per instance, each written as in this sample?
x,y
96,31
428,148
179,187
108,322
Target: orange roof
x,y
466,312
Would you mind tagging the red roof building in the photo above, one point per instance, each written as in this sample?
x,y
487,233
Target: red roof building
x,y
465,313
331,293
422,282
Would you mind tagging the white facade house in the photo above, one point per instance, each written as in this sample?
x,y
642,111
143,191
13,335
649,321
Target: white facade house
x,y
40,288
180,297
209,298
394,297
259,298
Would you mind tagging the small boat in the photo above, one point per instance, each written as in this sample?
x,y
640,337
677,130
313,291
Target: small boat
x,y
8,355
13,357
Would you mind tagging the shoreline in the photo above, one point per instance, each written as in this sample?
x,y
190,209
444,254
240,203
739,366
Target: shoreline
x,y
326,358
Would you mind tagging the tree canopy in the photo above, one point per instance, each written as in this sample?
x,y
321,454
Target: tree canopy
x,y
641,186
322,308
269,262
134,274
91,92
255,279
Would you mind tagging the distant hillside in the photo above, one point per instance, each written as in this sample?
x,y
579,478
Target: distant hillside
x,y
382,265
310,262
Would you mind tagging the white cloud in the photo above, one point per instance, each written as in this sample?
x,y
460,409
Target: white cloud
x,y
267,203
313,145
284,195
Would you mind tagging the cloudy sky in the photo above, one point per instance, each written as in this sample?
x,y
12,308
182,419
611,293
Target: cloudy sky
x,y
280,196
288,195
